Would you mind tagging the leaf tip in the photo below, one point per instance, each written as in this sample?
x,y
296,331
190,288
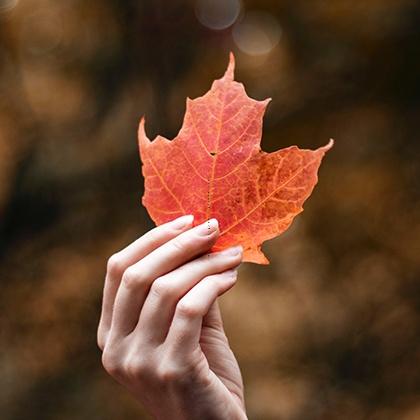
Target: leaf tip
x,y
265,102
230,71
142,137
141,130
329,145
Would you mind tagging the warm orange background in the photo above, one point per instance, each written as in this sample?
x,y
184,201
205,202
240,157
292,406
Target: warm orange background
x,y
330,330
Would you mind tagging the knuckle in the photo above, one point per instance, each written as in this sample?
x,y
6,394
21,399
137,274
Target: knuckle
x,y
133,278
100,340
168,373
137,368
171,373
111,363
100,343
115,266
161,288
133,368
188,310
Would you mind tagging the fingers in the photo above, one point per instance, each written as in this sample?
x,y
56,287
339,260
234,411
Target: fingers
x,y
185,330
213,318
120,261
166,291
138,278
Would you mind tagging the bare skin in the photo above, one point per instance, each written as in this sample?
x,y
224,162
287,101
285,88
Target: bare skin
x,y
161,331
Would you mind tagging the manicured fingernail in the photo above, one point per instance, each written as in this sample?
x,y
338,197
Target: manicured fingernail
x,y
208,227
183,221
231,273
231,276
235,250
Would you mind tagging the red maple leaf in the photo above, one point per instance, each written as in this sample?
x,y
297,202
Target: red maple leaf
x,y
215,168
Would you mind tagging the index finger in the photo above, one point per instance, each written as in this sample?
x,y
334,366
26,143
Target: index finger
x,y
123,259
138,278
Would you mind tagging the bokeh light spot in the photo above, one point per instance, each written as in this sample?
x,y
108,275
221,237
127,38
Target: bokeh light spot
x,y
42,31
217,14
257,34
7,5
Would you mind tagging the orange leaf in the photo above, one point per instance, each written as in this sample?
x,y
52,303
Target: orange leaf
x,y
215,168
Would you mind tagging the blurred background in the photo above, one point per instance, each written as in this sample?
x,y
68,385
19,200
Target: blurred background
x,y
329,330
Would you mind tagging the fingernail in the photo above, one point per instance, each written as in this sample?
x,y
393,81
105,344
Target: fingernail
x,y
231,275
208,227
183,221
235,250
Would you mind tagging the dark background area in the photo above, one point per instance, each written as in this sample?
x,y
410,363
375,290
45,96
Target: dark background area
x,y
330,329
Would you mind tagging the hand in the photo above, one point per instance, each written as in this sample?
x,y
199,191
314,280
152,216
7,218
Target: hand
x,y
161,330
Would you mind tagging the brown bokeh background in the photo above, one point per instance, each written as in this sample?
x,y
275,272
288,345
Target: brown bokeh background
x,y
329,330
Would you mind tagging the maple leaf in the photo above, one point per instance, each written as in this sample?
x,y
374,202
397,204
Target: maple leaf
x,y
215,168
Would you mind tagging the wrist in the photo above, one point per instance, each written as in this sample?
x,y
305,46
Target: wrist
x,y
199,399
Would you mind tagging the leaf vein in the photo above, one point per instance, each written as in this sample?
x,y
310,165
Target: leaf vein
x,y
166,186
191,164
268,197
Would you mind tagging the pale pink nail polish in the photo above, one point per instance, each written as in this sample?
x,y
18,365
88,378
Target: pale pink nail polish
x,y
183,221
208,227
235,250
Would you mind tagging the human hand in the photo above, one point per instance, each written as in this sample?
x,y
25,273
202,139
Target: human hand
x,y
161,330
